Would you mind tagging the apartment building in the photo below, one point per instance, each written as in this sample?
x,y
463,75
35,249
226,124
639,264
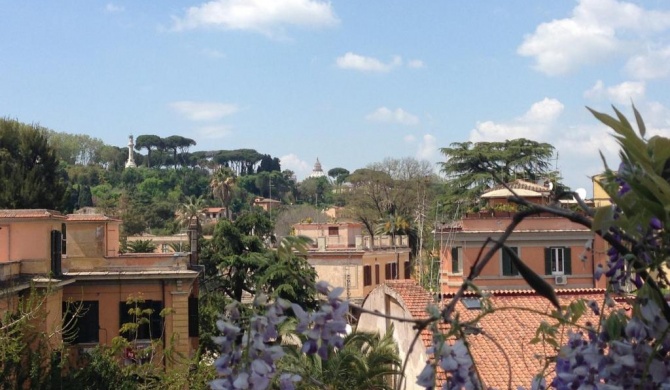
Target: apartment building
x,y
75,258
344,257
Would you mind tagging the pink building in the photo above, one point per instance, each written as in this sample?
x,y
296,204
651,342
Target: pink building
x,y
75,258
563,252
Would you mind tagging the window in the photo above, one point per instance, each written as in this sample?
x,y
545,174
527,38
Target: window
x,y
333,231
456,261
508,268
63,230
367,275
165,248
390,271
56,252
376,273
152,328
193,328
81,322
557,261
408,270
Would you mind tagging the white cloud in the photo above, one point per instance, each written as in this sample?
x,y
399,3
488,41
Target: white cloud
x,y
427,148
113,8
409,138
398,116
204,111
622,93
267,17
534,124
366,64
293,162
544,111
416,64
214,131
654,64
596,30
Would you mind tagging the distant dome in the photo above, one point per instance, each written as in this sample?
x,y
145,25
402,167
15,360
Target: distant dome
x,y
317,171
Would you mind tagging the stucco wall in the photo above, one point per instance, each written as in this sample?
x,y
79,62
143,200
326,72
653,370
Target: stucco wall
x,y
388,302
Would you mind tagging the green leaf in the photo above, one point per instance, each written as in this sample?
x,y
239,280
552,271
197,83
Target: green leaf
x,y
640,123
603,219
534,280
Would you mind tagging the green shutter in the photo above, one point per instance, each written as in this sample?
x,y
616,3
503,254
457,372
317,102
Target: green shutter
x,y
567,261
547,261
454,260
506,264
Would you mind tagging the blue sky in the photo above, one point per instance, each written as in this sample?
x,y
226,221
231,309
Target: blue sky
x,y
349,82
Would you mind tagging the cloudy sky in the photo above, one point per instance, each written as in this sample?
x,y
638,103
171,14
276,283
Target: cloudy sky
x,y
349,82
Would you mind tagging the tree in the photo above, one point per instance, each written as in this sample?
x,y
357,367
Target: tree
x,y
365,361
191,211
338,175
148,142
222,184
141,246
471,168
175,143
30,175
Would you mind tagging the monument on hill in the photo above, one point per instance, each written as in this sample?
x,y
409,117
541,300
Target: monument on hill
x,y
131,159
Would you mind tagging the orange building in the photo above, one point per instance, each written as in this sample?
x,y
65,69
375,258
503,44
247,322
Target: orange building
x,y
344,257
76,257
561,251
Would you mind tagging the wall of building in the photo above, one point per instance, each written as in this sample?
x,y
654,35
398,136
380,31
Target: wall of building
x,y
29,242
388,302
111,293
531,250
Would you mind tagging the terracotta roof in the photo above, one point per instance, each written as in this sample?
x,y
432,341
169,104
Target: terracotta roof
x,y
502,351
31,214
90,217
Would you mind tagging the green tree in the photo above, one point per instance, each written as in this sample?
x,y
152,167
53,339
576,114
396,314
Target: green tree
x,y
141,246
222,183
469,166
339,175
366,361
148,142
191,211
30,175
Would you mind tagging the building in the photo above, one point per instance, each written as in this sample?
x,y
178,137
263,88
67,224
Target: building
x,y
502,362
565,253
344,257
266,204
76,259
317,171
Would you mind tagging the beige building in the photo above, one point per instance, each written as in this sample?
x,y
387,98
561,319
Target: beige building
x,y
344,257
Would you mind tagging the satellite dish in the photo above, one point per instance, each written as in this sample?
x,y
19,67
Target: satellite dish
x,y
581,192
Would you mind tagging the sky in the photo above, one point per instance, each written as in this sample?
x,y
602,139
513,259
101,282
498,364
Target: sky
x,y
347,82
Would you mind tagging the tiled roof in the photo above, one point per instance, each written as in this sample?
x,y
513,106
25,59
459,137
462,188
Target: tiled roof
x,y
89,217
30,214
521,185
502,351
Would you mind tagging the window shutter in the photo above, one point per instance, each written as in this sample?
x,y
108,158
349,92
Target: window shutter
x,y
567,261
454,260
547,261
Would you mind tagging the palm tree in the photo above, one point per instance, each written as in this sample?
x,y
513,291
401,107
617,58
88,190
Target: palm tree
x,y
222,184
141,246
191,211
366,361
